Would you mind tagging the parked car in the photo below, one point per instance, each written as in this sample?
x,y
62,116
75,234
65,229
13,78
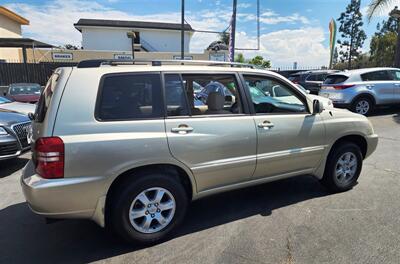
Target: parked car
x,y
311,80
364,89
131,159
325,101
14,132
24,108
24,92
216,87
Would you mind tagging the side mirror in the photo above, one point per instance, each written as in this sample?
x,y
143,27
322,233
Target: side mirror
x,y
31,116
317,107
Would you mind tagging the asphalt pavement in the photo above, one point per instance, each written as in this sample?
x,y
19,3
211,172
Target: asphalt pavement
x,y
290,221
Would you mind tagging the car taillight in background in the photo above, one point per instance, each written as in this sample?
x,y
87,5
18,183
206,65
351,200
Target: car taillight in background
x,y
49,157
344,86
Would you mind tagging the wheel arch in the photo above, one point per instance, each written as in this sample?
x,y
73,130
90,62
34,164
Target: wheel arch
x,y
357,139
365,95
171,169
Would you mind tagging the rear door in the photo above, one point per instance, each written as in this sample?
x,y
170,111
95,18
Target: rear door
x,y
381,83
216,139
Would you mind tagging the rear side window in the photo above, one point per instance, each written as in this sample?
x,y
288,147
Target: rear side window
x,y
45,98
376,76
334,79
130,97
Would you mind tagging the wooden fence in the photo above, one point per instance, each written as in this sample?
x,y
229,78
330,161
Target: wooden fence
x,y
29,72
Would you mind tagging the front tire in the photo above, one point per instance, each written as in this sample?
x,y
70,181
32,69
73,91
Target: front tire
x,y
343,167
362,106
148,209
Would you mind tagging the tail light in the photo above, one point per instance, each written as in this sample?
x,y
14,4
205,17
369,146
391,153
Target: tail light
x,y
344,86
49,157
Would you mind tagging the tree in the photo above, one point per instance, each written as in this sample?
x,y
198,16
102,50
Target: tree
x,y
224,37
259,61
383,43
335,58
377,6
352,35
70,47
240,58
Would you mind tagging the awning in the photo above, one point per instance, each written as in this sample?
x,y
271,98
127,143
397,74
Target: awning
x,y
22,43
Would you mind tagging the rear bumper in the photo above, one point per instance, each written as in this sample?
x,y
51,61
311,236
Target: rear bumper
x,y
62,198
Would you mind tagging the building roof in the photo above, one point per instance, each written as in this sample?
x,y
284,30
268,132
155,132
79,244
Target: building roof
x,y
129,24
13,16
22,42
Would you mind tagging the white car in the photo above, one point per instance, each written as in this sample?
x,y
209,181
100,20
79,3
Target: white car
x,y
23,108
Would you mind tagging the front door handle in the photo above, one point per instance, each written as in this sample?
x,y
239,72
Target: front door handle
x,y
182,129
266,125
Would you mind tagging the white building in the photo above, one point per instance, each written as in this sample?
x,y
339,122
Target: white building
x,y
111,35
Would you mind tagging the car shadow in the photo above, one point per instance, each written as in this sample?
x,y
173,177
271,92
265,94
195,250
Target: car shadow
x,y
8,167
389,110
25,236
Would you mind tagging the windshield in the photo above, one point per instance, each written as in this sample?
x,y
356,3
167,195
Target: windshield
x,y
25,89
4,100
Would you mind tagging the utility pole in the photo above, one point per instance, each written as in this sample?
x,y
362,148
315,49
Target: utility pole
x,y
132,36
233,31
395,13
183,30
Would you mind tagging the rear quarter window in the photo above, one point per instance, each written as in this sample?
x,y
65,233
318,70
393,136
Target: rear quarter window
x,y
129,97
45,98
334,79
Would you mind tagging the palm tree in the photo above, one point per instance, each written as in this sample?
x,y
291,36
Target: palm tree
x,y
377,6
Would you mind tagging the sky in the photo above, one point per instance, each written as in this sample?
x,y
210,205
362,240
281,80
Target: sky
x,y
291,30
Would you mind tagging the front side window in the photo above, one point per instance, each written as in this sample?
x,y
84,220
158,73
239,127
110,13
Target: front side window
x,y
271,96
202,94
395,75
129,97
376,76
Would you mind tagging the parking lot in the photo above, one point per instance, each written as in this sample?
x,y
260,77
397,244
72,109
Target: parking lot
x,y
289,221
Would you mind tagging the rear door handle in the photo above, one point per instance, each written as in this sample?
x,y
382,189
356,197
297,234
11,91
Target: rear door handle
x,y
182,129
266,125
370,86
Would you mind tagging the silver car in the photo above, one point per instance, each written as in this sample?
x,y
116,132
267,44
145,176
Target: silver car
x,y
136,148
14,130
364,89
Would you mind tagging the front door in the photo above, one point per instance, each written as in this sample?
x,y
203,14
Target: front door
x,y
215,137
381,83
290,139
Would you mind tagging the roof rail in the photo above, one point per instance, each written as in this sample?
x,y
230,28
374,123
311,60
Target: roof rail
x,y
99,62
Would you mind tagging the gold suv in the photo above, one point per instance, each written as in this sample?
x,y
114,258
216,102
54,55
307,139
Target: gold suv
x,y
130,144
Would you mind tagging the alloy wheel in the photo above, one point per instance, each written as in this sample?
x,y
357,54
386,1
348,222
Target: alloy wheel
x,y
346,168
152,210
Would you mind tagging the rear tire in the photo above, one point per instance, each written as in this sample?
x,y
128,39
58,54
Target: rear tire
x,y
343,167
362,106
152,221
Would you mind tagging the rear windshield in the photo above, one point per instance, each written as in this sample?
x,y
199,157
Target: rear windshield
x,y
294,78
334,79
45,98
19,89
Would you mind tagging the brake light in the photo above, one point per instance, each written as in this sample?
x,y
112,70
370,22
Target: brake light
x,y
49,157
344,86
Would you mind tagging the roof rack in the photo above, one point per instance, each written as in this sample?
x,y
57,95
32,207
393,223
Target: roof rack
x,y
99,62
